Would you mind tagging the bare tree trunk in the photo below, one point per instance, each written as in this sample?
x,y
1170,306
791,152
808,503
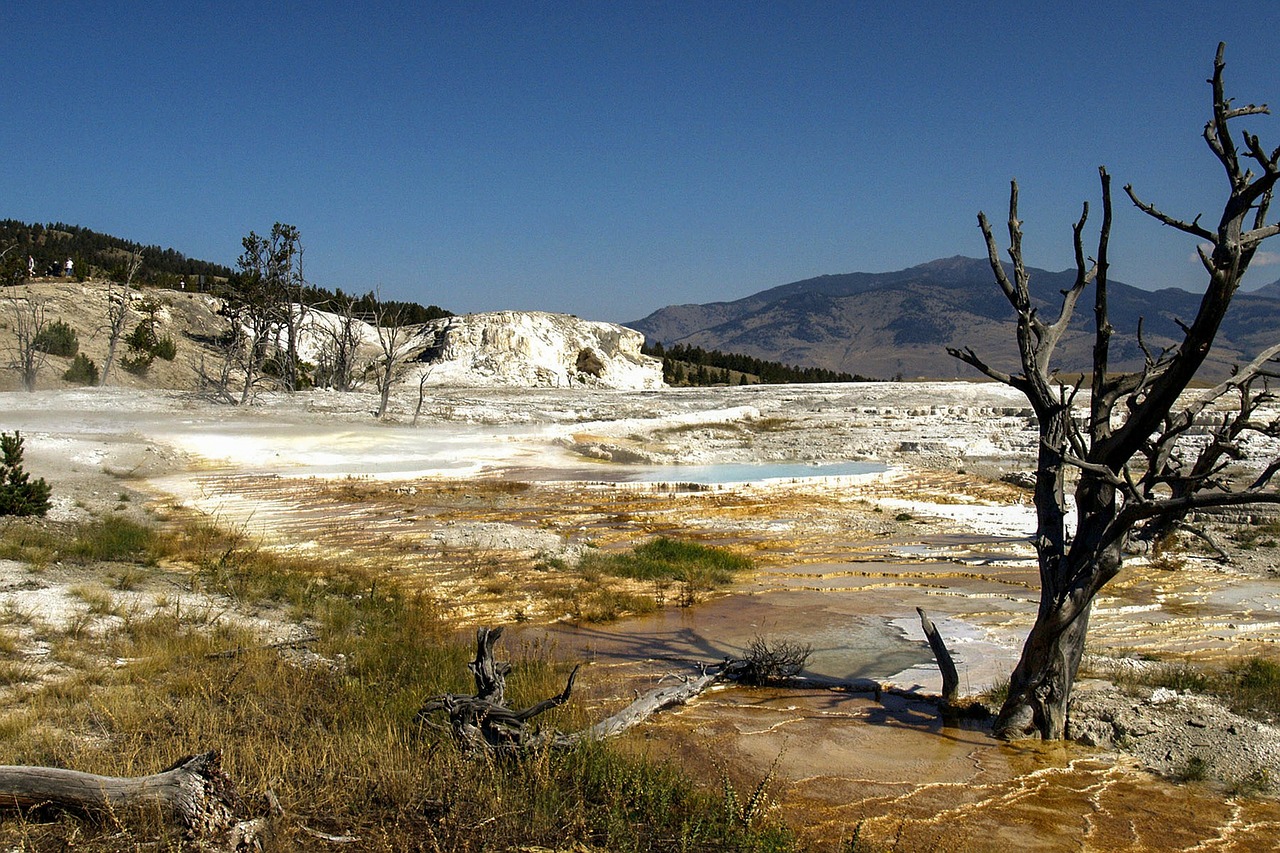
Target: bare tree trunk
x,y
1040,686
194,792
27,317
422,393
947,666
392,338
117,314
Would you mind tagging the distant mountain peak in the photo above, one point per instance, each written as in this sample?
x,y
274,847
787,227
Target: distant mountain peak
x,y
901,323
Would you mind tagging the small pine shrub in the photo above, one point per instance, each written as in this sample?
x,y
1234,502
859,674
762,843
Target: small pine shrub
x,y
19,494
82,371
137,363
144,345
142,338
57,338
165,348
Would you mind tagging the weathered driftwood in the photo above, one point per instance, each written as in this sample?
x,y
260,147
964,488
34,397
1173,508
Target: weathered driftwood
x,y
950,678
483,722
648,704
193,791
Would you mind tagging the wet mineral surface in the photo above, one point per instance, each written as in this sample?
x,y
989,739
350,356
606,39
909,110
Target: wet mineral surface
x,y
487,505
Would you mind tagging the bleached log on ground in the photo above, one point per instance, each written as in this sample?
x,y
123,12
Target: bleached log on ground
x,y
482,722
194,792
654,701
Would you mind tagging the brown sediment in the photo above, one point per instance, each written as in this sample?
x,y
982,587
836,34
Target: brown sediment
x,y
840,762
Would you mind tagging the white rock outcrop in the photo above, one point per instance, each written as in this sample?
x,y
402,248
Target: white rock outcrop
x,y
536,349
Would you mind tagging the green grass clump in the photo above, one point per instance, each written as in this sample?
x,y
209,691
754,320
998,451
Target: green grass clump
x,y
670,559
113,539
1253,688
1250,687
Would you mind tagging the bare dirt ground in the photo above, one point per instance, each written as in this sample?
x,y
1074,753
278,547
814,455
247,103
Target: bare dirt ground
x,y
486,501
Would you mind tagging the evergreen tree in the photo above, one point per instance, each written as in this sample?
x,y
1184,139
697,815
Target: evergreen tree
x,y
19,495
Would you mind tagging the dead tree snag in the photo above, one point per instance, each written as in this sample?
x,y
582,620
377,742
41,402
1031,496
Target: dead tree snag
x,y
950,678
1130,468
482,722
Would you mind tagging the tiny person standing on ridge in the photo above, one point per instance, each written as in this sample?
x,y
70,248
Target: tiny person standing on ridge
x,y
68,266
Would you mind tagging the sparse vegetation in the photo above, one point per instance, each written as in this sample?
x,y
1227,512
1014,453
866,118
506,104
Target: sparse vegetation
x,y
1250,687
330,734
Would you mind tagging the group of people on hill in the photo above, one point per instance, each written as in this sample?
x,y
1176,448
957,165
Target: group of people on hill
x,y
68,268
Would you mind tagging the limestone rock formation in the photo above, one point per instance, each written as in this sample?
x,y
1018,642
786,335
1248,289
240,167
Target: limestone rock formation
x,y
535,348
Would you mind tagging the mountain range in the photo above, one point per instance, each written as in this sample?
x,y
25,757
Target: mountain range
x,y
899,324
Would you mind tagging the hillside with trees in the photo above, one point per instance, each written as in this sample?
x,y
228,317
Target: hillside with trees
x,y
683,364
98,256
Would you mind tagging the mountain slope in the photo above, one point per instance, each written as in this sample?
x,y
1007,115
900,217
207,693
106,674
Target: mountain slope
x,y
900,323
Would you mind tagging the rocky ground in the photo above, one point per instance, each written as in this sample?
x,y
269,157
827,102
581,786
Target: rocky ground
x,y
492,482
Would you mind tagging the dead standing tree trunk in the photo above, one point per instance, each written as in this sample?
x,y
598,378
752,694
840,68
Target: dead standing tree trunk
x,y
947,666
1130,468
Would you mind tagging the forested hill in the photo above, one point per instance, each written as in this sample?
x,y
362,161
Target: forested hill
x,y
95,255
686,365
101,256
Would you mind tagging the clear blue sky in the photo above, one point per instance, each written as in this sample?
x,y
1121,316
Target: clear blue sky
x,y
608,158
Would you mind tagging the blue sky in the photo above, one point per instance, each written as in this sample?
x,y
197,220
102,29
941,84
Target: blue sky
x,y
609,158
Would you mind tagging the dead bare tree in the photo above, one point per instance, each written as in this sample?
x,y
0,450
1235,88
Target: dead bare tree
x,y
118,313
294,310
339,346
26,317
393,337
422,394
1132,469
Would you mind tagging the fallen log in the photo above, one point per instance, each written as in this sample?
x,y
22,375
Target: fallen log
x,y
660,699
194,792
482,722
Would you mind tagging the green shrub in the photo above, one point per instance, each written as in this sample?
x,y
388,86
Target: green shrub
x,y
19,494
57,338
165,348
138,363
670,559
145,345
82,371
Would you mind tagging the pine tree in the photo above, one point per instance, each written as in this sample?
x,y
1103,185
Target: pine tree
x,y
19,495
